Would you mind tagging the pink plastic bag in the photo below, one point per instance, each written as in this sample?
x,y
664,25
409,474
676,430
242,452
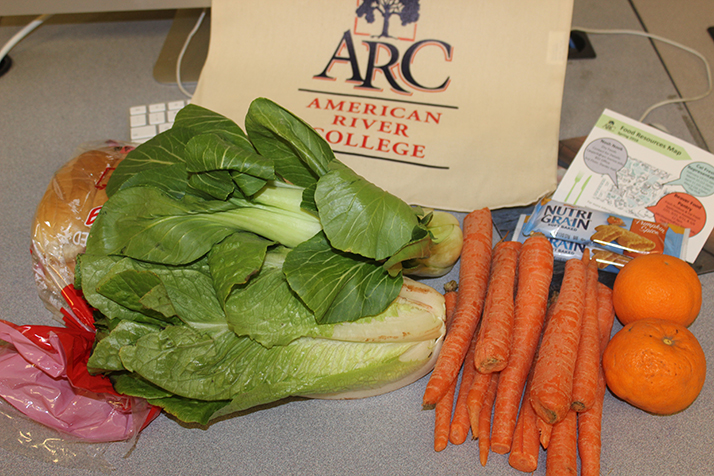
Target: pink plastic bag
x,y
44,375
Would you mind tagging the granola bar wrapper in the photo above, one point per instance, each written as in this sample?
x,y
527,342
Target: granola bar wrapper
x,y
605,232
563,250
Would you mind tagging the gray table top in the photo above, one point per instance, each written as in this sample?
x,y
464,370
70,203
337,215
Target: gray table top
x,y
72,83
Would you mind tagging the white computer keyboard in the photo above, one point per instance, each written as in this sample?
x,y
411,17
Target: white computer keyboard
x,y
147,120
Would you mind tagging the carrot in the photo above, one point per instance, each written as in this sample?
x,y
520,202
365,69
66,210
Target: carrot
x,y
562,454
442,418
590,421
587,364
476,399
493,349
450,297
460,421
545,430
589,433
477,393
473,280
605,314
554,368
524,447
444,407
535,271
484,426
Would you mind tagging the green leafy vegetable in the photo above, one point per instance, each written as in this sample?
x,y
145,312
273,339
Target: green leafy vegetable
x,y
235,260
373,223
358,286
301,156
236,269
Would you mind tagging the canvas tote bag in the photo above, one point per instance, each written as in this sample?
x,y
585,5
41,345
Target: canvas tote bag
x,y
452,104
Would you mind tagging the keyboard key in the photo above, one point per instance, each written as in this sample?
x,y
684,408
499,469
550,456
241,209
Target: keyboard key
x,y
175,105
164,127
137,120
157,118
171,115
143,132
137,110
158,107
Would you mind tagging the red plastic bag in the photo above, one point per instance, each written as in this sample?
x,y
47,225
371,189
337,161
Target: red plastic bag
x,y
43,374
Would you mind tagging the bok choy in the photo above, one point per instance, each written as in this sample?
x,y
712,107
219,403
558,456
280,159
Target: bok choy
x,y
231,269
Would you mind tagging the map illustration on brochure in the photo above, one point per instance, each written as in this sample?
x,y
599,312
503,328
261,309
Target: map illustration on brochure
x,y
632,169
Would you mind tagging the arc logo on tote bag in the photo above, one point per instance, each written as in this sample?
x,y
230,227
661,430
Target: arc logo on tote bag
x,y
453,105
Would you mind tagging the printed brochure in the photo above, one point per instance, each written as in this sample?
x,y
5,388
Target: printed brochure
x,y
635,170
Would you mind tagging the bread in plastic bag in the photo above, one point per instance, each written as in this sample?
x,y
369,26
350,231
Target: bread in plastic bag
x,y
64,216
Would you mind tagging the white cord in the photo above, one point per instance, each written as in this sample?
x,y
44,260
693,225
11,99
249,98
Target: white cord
x,y
183,51
22,34
669,42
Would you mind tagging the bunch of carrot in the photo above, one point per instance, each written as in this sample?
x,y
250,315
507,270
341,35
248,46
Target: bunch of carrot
x,y
517,347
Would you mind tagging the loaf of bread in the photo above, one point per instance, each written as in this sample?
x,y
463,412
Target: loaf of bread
x,y
64,216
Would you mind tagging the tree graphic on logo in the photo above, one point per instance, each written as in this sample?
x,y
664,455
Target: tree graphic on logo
x,y
406,10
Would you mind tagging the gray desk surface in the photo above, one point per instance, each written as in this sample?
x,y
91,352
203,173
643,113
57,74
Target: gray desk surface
x,y
74,80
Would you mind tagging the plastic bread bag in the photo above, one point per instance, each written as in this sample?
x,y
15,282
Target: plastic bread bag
x,y
64,216
614,233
